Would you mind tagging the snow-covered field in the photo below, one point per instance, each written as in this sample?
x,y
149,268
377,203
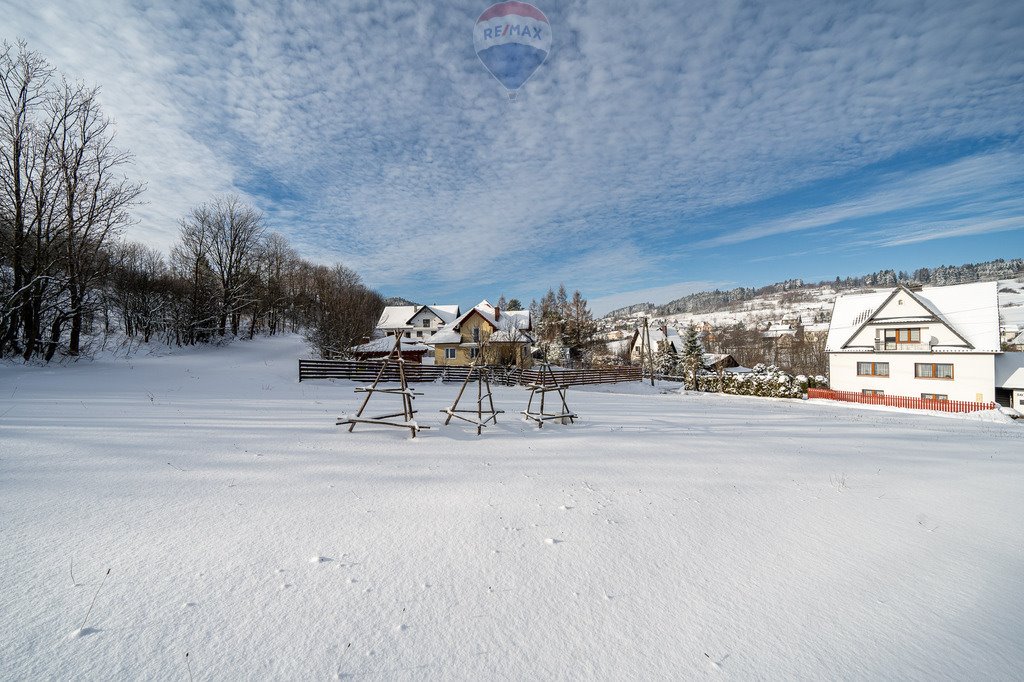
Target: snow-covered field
x,y
664,536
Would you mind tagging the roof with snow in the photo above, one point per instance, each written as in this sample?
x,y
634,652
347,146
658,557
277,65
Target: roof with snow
x,y
970,311
400,316
446,313
659,336
509,325
1010,371
777,330
396,316
385,345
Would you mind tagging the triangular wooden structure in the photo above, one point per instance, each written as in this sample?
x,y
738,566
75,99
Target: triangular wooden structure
x,y
540,387
483,392
393,359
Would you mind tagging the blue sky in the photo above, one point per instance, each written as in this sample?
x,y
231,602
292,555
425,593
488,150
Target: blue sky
x,y
661,149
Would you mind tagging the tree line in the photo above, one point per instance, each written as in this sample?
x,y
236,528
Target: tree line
x,y
67,277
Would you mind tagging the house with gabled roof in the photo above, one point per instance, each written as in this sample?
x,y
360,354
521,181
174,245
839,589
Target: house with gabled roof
x,y
504,336
663,339
415,321
938,343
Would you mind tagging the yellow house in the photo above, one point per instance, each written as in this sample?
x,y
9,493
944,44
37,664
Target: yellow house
x,y
503,336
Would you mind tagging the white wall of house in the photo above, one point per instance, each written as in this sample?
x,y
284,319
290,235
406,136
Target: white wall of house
x,y
973,375
424,324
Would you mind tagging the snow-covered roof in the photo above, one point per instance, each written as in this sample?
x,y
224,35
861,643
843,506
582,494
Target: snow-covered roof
x,y
396,316
499,319
446,313
777,330
445,334
1010,370
385,345
658,337
510,325
970,310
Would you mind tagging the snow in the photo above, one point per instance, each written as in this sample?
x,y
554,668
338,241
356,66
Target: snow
x,y
664,535
396,316
387,344
1010,370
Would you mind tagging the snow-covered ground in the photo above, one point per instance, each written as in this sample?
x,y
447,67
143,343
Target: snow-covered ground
x,y
664,536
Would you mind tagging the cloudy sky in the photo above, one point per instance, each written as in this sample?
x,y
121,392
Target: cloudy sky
x,y
664,147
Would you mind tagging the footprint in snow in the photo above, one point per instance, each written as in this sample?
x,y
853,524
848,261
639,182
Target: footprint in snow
x,y
553,541
319,559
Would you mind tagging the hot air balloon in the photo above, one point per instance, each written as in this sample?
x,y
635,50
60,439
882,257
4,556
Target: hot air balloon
x,y
512,39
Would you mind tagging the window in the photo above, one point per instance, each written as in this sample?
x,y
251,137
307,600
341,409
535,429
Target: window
x,y
476,334
895,337
871,391
408,335
873,369
474,352
426,322
935,396
419,335
926,370
449,353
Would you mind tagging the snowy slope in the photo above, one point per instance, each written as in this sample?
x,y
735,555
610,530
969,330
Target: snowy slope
x,y
664,536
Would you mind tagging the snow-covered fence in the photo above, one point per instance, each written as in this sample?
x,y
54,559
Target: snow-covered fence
x,y
900,401
366,370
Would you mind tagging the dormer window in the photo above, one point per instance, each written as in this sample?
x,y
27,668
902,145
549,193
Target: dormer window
x,y
894,338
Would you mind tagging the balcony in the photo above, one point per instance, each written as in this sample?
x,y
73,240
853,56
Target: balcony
x,y
890,346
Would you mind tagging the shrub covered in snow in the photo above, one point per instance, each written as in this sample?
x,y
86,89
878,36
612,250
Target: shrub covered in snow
x,y
762,380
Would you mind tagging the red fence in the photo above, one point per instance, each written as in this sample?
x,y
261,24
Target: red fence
x,y
900,401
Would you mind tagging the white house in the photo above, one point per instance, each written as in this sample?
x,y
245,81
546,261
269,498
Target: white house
x,y
415,322
933,342
662,339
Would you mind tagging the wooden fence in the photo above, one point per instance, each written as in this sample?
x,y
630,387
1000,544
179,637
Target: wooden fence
x,y
580,377
900,401
366,370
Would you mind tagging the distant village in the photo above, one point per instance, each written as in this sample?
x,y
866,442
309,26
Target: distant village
x,y
960,342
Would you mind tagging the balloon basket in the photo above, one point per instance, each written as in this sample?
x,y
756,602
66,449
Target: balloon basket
x,y
513,95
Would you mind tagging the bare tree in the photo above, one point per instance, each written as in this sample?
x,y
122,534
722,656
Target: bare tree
x,y
26,186
96,198
236,232
345,311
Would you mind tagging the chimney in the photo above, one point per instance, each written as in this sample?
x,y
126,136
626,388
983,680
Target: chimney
x,y
497,313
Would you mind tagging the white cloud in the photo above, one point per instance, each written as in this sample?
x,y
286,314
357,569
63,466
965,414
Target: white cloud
x,y
369,130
